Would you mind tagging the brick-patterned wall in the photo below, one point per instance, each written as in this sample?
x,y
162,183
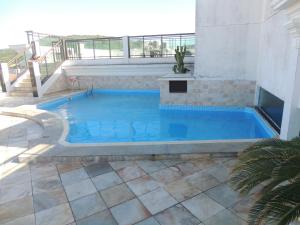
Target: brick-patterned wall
x,y
209,92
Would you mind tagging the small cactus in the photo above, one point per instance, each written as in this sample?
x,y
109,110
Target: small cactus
x,y
179,57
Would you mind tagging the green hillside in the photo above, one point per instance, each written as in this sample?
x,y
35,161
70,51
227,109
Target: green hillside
x,y
7,54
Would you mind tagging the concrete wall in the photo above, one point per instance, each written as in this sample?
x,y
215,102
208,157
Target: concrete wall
x,y
227,38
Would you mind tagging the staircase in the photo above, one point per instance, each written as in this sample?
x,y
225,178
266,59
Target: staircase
x,y
23,88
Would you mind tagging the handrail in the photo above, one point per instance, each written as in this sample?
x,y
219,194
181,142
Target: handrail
x,y
12,60
42,58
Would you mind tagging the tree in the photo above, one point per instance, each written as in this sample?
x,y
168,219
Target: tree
x,y
274,164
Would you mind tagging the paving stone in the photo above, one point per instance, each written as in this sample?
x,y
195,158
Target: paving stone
x,y
143,185
46,184
172,162
106,180
187,168
167,175
47,200
202,180
182,190
220,172
102,218
80,189
17,177
13,192
223,218
242,207
59,215
177,215
73,176
16,209
87,206
98,169
116,195
149,221
41,171
67,167
224,195
151,166
202,206
130,173
117,165
26,220
157,200
129,212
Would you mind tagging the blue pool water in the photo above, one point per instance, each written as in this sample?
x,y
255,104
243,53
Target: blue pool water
x,y
136,116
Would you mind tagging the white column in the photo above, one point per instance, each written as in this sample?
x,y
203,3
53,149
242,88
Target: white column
x,y
35,76
4,77
126,47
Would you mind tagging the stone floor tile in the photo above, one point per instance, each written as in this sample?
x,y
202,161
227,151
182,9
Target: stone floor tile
x,y
16,209
116,195
143,185
59,215
87,206
202,180
41,171
73,176
220,172
150,166
182,190
225,217
177,215
117,165
47,200
202,164
98,169
157,200
15,176
101,218
202,206
26,220
149,221
130,212
167,175
106,180
67,167
13,192
242,207
80,189
171,162
187,168
224,195
46,184
130,173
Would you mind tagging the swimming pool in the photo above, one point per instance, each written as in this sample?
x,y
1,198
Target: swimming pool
x,y
136,116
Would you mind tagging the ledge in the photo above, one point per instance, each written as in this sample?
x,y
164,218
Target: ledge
x,y
181,77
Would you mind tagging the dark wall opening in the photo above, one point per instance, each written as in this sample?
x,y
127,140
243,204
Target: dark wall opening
x,y
272,107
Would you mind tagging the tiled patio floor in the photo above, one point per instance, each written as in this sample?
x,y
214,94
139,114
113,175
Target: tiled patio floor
x,y
168,192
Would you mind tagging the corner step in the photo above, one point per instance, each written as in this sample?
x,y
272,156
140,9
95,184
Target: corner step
x,y
20,93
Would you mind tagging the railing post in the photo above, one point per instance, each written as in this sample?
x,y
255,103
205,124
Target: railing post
x,y
4,77
35,77
126,49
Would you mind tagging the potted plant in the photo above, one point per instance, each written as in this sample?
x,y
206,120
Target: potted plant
x,y
180,53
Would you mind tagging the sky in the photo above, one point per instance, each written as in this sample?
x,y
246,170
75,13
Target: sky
x,y
98,17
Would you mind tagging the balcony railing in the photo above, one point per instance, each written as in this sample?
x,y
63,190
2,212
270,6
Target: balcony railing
x,y
148,46
152,46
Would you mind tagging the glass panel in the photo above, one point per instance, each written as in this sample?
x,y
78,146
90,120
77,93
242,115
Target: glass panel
x,y
152,46
116,48
136,47
189,42
169,45
271,105
102,48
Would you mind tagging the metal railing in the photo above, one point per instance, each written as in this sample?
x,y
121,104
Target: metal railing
x,y
94,48
147,46
18,65
51,60
152,46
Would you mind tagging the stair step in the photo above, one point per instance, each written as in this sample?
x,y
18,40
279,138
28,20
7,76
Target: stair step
x,y
21,94
24,84
23,88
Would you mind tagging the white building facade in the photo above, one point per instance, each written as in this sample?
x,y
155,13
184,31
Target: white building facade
x,y
256,41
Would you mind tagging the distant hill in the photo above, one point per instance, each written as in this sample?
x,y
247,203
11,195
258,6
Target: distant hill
x,y
47,41
7,54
